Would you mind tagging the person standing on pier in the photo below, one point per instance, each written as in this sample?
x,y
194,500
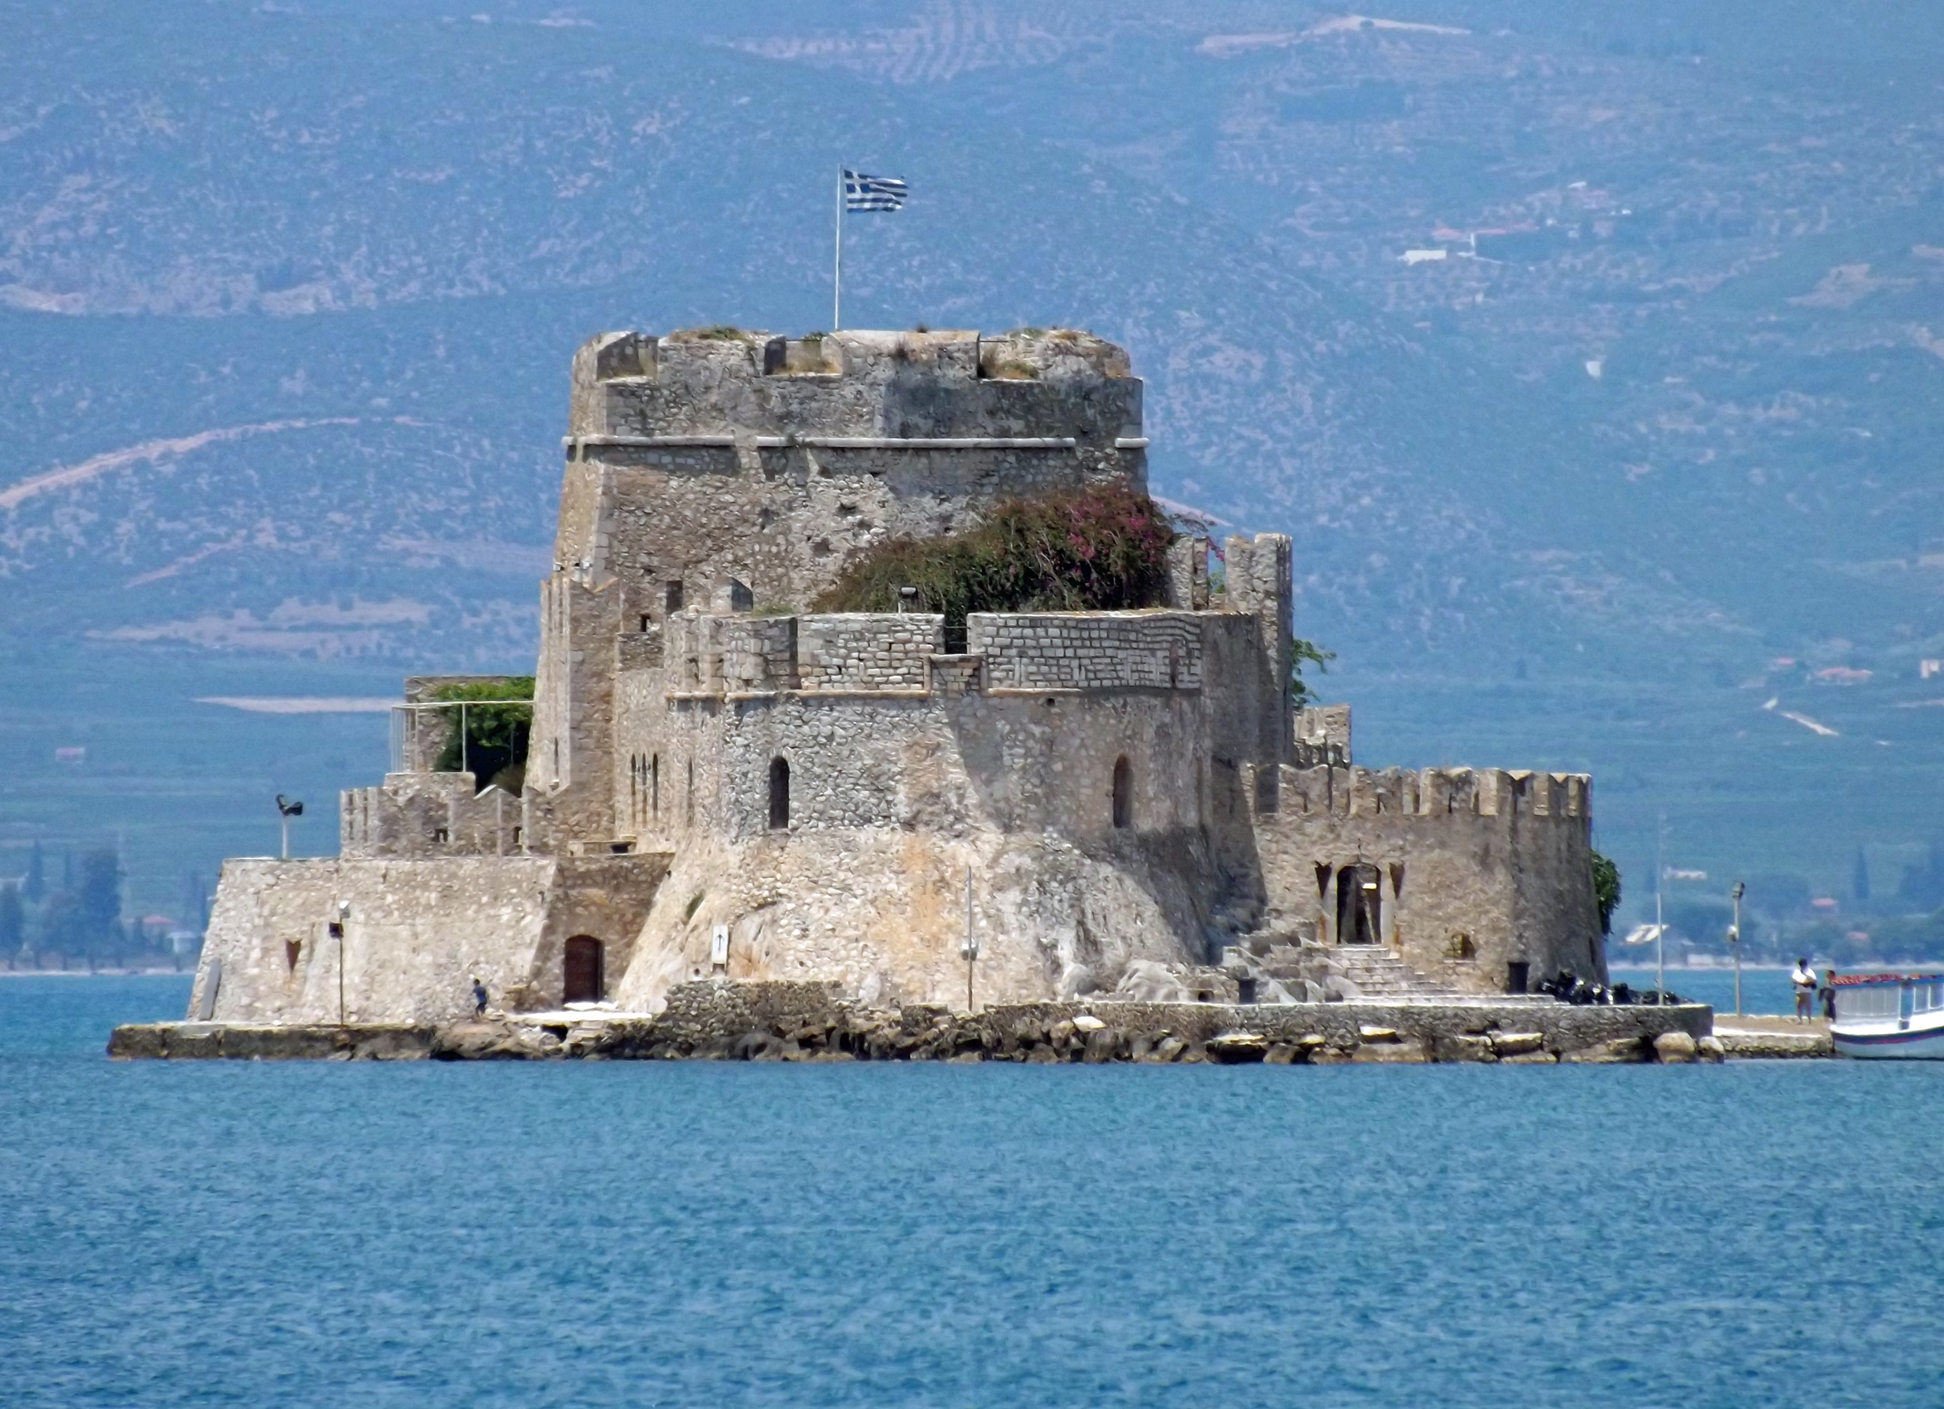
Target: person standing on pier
x,y
1804,979
1826,995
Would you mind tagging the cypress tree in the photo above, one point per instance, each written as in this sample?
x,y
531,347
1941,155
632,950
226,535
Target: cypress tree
x,y
35,889
13,922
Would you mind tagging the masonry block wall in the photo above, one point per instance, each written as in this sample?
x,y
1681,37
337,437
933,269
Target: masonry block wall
x,y
1474,871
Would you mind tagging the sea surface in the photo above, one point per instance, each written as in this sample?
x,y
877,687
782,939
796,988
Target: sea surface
x,y
1763,990
1755,1234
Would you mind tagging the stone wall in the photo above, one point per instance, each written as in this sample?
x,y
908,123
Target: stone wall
x,y
1475,870
1157,650
430,814
410,935
855,651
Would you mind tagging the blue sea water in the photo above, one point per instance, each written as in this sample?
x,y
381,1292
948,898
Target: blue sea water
x,y
1763,990
700,1234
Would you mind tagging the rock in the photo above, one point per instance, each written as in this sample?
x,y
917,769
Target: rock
x,y
757,1046
1390,1051
1042,1055
1533,1059
1709,1049
1619,1049
491,1042
1170,1049
1328,1056
1377,1034
137,1041
1674,1047
1464,1047
1234,1048
1312,1040
1280,1054
1511,1044
1087,1022
1101,1044
1807,1043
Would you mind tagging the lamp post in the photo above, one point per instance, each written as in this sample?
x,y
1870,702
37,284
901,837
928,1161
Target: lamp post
x,y
1734,941
1660,925
969,950
343,924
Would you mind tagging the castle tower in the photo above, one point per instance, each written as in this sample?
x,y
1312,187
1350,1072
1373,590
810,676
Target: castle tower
x,y
723,782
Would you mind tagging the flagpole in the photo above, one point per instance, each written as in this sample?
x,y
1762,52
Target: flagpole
x,y
837,273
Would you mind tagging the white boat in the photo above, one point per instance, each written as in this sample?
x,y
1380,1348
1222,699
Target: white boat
x,y
1889,1015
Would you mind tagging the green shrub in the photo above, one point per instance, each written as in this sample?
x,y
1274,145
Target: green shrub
x,y
1606,890
495,744
1101,548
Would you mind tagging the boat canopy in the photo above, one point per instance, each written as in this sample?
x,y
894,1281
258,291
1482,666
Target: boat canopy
x,y
1871,998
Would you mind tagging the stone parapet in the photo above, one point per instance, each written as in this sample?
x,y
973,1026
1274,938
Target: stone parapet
x,y
1434,792
430,814
853,651
729,385
1155,650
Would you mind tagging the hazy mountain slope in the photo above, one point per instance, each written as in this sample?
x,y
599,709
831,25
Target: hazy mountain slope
x,y
685,185
288,299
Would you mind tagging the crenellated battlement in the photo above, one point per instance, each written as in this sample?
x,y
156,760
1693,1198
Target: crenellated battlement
x,y
1432,792
1026,390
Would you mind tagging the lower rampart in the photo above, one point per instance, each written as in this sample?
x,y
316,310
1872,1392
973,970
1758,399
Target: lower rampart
x,y
811,1022
386,941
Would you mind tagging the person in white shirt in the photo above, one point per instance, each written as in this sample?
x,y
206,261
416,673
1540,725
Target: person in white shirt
x,y
1804,979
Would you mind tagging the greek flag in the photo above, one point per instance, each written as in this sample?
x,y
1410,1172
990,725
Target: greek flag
x,y
863,192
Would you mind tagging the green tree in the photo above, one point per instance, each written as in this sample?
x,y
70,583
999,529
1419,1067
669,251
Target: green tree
x,y
1606,890
494,748
1301,651
35,890
99,899
13,922
63,931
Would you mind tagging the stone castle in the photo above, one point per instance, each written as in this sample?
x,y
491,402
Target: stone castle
x,y
721,783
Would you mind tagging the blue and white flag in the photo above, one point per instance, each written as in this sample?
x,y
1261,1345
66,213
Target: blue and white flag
x,y
863,192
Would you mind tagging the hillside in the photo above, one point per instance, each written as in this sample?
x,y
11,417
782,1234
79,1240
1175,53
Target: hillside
x,y
286,301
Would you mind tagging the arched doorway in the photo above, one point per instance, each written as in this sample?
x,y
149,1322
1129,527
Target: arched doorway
x,y
1360,905
1123,794
584,970
779,794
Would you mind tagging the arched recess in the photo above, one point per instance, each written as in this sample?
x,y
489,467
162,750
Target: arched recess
x,y
1123,794
779,794
1360,905
584,970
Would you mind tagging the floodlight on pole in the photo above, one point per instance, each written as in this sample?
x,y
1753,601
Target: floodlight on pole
x,y
343,923
1734,940
969,951
287,808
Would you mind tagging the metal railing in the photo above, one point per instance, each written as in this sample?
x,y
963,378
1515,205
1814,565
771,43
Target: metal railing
x,y
404,727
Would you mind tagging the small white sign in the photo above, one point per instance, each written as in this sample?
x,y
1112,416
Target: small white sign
x,y
719,945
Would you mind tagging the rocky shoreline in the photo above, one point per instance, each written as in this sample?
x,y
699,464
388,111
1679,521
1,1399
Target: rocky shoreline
x,y
808,1023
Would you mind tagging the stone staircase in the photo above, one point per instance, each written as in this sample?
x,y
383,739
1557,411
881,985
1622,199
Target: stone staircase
x,y
1304,971
1379,975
